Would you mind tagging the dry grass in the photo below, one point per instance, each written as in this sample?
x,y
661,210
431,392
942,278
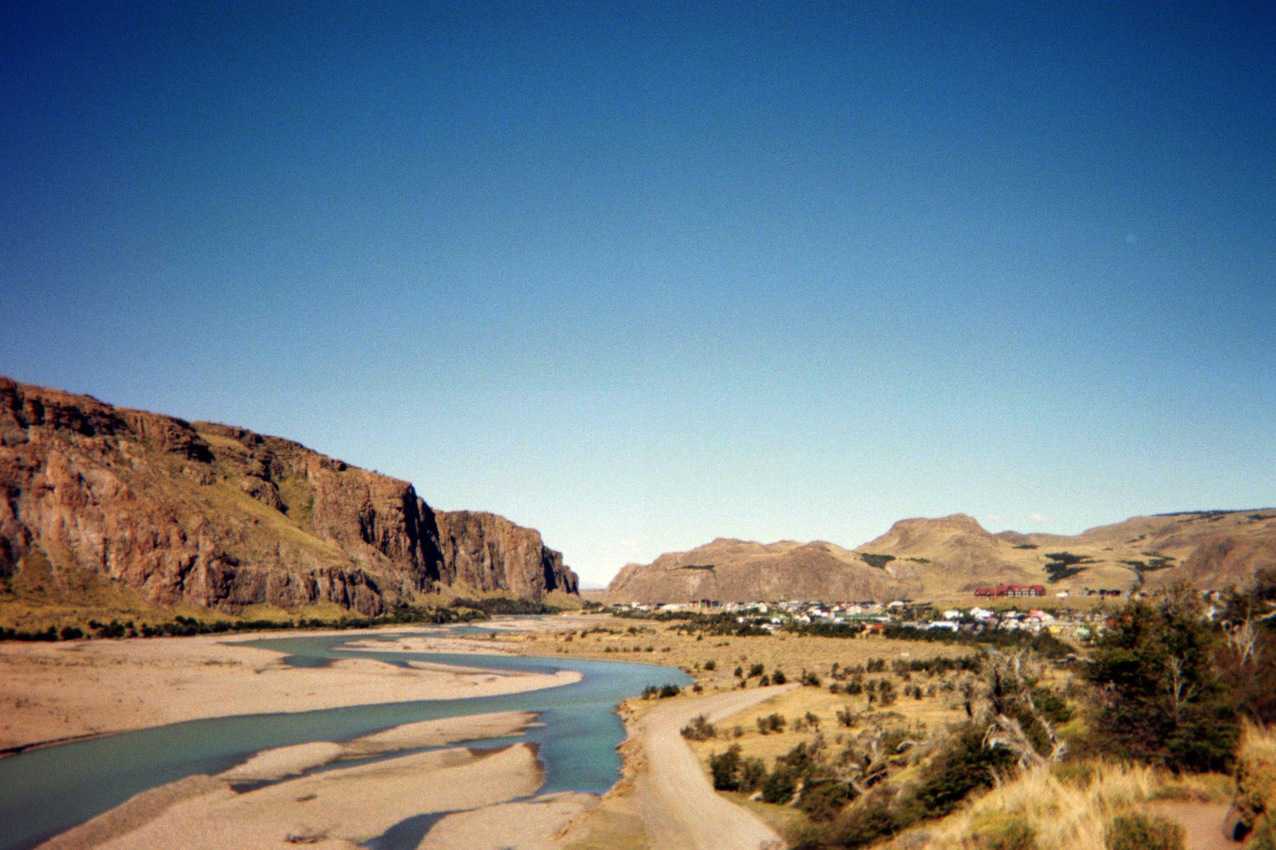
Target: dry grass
x,y
1256,771
1064,815
659,643
1071,806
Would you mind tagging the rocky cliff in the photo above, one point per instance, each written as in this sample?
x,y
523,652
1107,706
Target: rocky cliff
x,y
948,557
202,513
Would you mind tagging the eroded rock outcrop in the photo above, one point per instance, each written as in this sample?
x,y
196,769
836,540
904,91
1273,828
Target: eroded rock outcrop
x,y
214,515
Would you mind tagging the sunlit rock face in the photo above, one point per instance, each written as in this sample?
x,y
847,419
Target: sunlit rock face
x,y
218,516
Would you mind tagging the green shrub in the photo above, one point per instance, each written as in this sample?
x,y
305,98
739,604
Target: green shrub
x,y
711,665
752,774
1143,832
699,729
822,799
863,823
962,766
725,768
779,786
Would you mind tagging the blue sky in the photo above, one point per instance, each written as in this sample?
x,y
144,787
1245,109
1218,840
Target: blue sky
x,y
640,276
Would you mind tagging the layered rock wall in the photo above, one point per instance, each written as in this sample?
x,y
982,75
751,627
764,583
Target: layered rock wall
x,y
220,516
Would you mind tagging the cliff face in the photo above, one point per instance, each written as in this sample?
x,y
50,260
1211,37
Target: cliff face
x,y
219,516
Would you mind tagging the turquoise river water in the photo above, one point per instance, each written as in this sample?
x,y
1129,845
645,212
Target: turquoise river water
x,y
46,791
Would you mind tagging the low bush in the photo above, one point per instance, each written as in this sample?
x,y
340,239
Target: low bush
x,y
1136,831
752,774
725,768
779,786
861,824
699,729
822,799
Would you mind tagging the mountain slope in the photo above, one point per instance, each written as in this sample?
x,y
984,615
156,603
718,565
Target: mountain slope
x,y
208,514
948,557
738,570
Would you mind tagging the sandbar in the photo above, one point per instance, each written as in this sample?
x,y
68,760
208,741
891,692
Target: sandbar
x,y
56,691
338,807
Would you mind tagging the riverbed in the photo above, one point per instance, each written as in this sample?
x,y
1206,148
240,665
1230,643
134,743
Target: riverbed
x,y
44,792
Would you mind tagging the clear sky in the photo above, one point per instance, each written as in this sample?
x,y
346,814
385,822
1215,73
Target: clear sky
x,y
640,277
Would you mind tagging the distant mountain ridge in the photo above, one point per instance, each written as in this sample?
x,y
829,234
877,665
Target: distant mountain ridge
x,y
198,513
952,555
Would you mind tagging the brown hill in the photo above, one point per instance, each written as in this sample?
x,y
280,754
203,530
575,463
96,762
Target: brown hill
x,y
200,513
948,557
739,570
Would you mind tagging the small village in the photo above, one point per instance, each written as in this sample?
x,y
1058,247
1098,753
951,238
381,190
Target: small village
x,y
875,617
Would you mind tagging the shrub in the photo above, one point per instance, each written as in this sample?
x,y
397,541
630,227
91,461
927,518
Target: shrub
x,y
962,766
779,786
752,774
1143,832
765,681
725,768
1265,837
711,665
863,823
822,799
699,729
778,677
756,670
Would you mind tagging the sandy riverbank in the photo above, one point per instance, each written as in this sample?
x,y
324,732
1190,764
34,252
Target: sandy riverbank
x,y
315,801
665,799
54,691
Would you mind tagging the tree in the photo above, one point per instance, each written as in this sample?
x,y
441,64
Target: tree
x,y
1248,659
1158,694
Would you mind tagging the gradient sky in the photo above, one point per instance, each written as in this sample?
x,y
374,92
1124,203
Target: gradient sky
x,y
640,277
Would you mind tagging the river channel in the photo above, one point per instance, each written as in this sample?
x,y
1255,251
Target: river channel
x,y
46,791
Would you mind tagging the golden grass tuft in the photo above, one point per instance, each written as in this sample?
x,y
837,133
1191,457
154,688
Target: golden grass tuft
x,y
1063,813
1256,772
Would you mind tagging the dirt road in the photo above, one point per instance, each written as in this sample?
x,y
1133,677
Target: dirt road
x,y
679,807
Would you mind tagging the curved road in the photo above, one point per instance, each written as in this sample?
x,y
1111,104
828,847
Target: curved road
x,y
679,807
